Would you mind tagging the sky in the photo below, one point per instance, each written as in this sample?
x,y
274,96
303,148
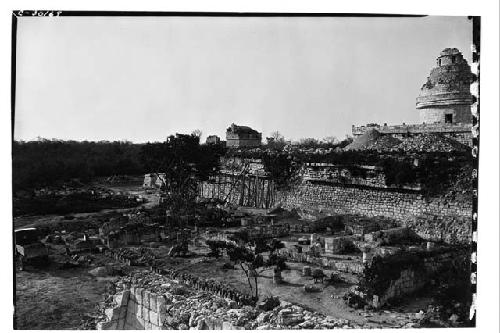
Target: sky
x,y
143,78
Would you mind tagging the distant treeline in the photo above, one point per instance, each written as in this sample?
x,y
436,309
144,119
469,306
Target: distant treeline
x,y
47,162
51,162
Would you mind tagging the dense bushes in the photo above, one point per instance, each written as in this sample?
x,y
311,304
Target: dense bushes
x,y
71,203
378,275
281,168
434,172
46,162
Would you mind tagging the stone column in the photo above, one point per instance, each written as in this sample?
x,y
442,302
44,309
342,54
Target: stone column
x,y
376,302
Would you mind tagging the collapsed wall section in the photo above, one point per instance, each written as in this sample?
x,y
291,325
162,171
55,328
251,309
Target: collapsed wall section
x,y
155,302
147,300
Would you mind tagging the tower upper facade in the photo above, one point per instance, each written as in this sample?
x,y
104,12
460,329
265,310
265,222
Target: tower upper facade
x,y
445,97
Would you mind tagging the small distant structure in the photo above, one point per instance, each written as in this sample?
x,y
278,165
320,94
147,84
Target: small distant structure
x,y
152,180
242,136
213,140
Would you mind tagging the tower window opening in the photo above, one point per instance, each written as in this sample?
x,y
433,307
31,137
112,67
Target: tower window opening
x,y
448,118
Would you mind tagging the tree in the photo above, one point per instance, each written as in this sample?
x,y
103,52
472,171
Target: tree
x,y
197,133
277,136
276,140
309,142
241,252
49,162
249,262
281,168
185,163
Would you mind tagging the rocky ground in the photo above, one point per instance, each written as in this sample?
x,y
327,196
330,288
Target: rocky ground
x,y
430,143
58,297
189,308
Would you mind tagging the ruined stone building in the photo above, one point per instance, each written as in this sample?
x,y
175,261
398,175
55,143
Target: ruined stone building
x,y
242,136
154,180
213,140
445,98
444,103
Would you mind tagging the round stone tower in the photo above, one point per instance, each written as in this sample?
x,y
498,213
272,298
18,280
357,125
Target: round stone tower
x,y
445,97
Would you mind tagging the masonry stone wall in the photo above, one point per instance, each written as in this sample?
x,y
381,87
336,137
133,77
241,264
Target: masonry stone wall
x,y
431,218
434,219
436,114
370,176
464,138
348,266
460,129
141,309
321,193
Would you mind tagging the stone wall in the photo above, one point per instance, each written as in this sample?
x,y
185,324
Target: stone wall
x,y
347,266
369,176
462,132
436,114
464,138
338,244
320,193
140,309
236,143
117,314
433,219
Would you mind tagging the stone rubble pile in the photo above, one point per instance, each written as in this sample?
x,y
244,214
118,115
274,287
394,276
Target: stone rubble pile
x,y
181,307
430,143
208,285
133,256
384,143
364,141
